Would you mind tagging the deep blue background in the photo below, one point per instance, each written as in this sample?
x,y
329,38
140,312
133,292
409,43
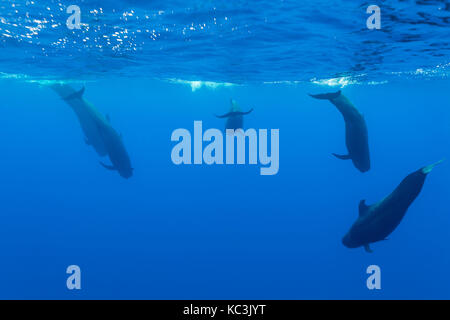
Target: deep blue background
x,y
213,232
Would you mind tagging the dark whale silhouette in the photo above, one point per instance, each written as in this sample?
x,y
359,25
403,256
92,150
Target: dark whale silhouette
x,y
235,119
97,130
356,136
379,220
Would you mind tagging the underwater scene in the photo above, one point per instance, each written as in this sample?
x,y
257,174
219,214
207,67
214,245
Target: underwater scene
x,y
225,149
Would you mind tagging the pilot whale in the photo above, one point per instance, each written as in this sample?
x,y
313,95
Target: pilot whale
x,y
379,220
117,153
356,136
235,118
97,130
87,115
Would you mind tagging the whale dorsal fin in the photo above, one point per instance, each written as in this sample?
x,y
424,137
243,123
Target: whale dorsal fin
x,y
363,208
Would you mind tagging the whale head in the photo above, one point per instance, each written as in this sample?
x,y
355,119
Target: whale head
x,y
362,166
126,172
349,242
361,160
122,164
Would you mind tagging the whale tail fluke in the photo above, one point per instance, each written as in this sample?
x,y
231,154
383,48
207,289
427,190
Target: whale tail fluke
x,y
326,96
226,115
241,113
75,95
234,113
428,169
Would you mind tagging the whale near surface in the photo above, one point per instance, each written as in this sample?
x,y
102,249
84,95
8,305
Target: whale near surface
x,y
377,221
235,117
97,130
356,135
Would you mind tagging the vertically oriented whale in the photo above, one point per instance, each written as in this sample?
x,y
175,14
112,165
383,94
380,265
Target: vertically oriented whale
x,y
379,220
97,130
87,115
356,136
235,119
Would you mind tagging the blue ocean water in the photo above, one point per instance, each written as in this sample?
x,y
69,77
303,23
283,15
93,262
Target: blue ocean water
x,y
221,231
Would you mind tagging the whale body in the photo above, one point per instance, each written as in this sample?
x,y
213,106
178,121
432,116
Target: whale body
x,y
356,136
379,220
117,153
235,118
88,116
97,130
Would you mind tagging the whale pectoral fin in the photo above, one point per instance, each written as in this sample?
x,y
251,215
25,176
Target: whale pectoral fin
x,y
108,166
108,118
363,208
342,157
75,95
367,248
